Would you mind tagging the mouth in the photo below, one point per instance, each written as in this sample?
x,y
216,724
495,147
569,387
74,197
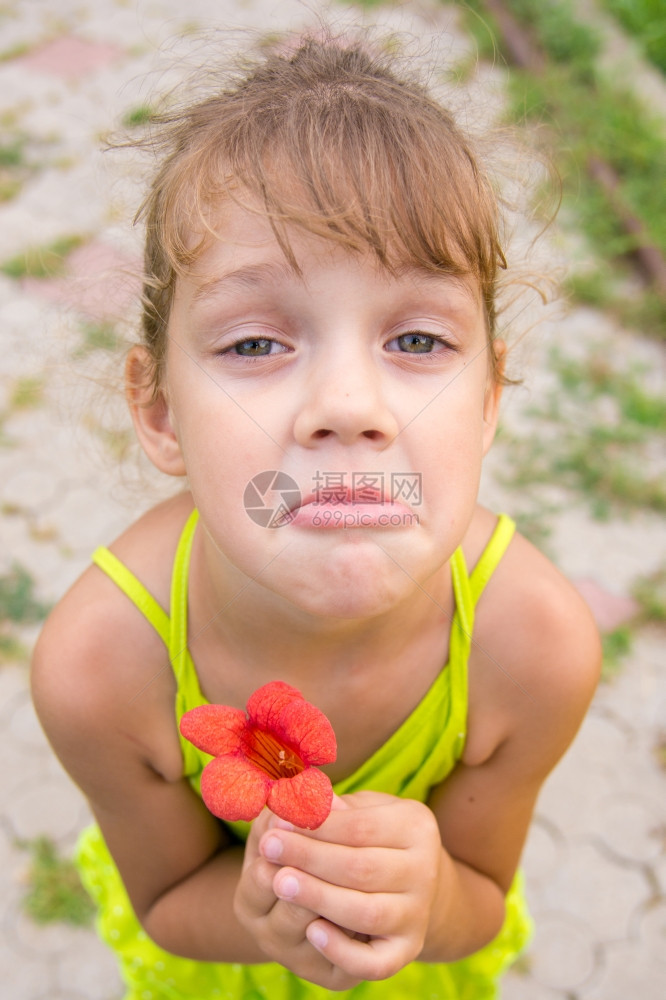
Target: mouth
x,y
365,507
343,497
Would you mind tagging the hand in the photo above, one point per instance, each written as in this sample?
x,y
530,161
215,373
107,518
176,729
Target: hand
x,y
371,872
279,926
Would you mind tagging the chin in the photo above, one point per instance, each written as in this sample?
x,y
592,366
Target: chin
x,y
351,587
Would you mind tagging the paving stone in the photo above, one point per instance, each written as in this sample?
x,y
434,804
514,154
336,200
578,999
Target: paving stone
x,y
19,768
24,980
70,58
652,933
610,610
632,826
101,283
543,853
13,862
89,969
30,488
565,954
45,806
31,939
24,726
517,986
592,888
571,794
629,971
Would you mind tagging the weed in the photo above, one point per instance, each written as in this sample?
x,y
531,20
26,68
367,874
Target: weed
x,y
585,114
14,52
660,750
42,262
11,648
55,891
138,116
98,337
27,392
650,592
17,603
12,154
616,646
645,20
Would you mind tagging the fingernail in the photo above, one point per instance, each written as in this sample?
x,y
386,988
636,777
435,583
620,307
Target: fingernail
x,y
317,936
288,887
272,848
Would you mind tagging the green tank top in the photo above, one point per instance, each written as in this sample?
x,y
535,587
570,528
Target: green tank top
x,y
418,756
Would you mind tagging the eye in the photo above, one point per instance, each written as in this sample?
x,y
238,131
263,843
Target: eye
x,y
416,342
256,347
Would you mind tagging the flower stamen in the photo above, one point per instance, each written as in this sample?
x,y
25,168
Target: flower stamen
x,y
270,755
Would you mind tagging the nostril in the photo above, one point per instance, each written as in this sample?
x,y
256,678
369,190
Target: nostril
x,y
321,433
372,435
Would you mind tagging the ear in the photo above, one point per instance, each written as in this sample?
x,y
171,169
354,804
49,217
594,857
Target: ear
x,y
151,415
491,402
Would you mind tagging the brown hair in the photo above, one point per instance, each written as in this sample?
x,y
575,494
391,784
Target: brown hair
x,y
324,136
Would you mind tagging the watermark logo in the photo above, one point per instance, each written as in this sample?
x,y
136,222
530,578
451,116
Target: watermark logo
x,y
270,499
338,499
331,488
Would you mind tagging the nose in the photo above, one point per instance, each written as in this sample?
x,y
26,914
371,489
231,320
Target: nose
x,y
346,400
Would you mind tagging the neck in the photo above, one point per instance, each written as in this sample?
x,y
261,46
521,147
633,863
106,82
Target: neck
x,y
274,639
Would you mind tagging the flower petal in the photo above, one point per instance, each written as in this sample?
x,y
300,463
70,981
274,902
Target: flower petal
x,y
304,800
266,703
283,710
215,729
233,789
308,731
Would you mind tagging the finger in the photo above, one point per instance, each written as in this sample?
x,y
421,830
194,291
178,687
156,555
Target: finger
x,y
360,958
255,890
369,869
374,819
373,913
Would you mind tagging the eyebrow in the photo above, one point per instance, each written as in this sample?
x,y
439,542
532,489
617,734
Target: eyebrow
x,y
248,276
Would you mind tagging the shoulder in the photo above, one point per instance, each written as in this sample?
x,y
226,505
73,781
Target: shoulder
x,y
537,652
100,667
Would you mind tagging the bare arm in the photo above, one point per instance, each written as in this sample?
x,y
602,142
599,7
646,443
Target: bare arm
x,y
177,862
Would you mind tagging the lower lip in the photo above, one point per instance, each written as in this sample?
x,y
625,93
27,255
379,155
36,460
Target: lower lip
x,y
353,515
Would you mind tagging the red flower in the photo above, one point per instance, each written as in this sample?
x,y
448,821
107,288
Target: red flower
x,y
266,758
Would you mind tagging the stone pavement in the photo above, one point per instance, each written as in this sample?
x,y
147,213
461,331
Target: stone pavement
x,y
596,855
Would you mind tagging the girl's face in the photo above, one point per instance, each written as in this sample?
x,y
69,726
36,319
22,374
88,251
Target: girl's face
x,y
370,394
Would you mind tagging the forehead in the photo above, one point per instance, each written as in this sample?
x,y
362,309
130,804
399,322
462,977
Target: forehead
x,y
243,251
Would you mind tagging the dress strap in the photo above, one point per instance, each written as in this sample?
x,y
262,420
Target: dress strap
x,y
135,590
491,555
467,589
178,651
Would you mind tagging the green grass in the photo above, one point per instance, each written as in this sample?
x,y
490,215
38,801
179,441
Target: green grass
x,y
581,112
596,377
12,154
17,601
55,891
27,392
98,337
646,21
42,262
650,592
137,116
616,647
593,435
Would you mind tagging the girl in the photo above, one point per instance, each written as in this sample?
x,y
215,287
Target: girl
x,y
319,340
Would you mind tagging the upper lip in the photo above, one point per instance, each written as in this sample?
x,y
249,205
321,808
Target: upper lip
x,y
344,495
